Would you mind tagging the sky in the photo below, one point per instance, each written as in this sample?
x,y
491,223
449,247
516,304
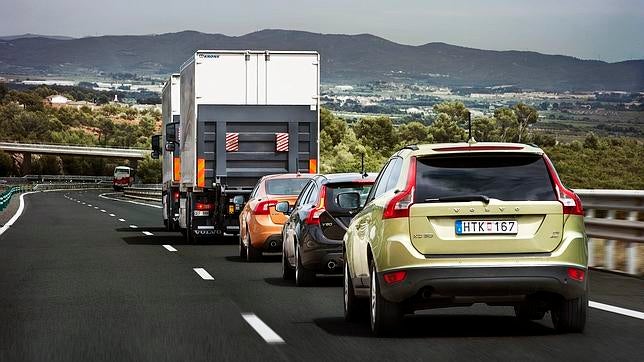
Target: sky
x,y
609,30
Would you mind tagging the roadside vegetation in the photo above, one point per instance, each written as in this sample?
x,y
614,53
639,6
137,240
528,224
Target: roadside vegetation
x,y
588,161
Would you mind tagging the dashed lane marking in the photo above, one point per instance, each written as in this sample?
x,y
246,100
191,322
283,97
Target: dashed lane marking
x,y
203,273
103,210
169,248
147,233
112,215
618,310
262,328
128,201
122,220
134,227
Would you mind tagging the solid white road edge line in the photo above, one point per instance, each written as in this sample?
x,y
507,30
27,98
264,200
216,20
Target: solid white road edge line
x,y
618,310
147,233
169,248
262,328
128,201
203,273
15,216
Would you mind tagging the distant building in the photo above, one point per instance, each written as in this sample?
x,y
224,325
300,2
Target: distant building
x,y
57,100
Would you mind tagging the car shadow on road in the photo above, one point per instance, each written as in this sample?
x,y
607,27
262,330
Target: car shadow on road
x,y
320,282
264,259
441,326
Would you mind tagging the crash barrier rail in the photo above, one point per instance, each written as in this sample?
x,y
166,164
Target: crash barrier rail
x,y
612,221
71,186
614,229
7,193
70,178
150,192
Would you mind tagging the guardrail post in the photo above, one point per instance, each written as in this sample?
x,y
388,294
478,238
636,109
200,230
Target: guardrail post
x,y
590,213
631,250
609,247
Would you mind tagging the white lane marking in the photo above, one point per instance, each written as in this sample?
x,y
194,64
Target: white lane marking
x,y
112,215
122,220
84,203
15,216
262,328
147,233
96,207
128,201
134,227
618,310
103,210
169,248
203,273
90,205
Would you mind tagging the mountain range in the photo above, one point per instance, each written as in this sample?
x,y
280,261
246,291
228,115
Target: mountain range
x,y
344,59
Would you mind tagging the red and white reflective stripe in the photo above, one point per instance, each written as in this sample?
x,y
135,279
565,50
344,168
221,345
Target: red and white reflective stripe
x,y
232,142
281,142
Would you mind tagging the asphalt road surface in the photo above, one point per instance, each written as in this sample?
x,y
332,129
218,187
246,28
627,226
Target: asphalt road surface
x,y
86,278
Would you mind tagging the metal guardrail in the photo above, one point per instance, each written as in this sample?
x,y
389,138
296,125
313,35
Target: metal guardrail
x,y
614,216
144,192
71,186
7,193
71,178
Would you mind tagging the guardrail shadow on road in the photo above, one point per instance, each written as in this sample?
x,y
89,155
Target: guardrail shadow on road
x,y
443,326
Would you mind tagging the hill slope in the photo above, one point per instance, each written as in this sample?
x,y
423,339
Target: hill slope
x,y
345,58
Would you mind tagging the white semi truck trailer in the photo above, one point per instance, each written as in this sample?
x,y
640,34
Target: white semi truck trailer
x,y
244,115
171,165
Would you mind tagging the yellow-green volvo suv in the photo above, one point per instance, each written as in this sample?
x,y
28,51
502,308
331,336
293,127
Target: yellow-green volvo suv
x,y
456,224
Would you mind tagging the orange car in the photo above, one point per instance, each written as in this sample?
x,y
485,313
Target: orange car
x,y
260,226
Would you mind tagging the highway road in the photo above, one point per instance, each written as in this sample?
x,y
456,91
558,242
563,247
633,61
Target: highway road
x,y
83,277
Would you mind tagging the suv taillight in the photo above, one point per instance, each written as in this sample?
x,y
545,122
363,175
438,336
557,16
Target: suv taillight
x,y
399,205
314,215
263,207
570,201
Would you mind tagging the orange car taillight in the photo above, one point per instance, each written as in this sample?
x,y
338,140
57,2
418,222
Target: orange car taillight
x,y
263,207
314,215
570,201
399,205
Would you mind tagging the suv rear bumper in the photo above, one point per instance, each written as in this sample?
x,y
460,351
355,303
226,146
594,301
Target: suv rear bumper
x,y
466,285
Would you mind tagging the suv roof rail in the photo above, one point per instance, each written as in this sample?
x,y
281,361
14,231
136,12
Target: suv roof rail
x,y
411,147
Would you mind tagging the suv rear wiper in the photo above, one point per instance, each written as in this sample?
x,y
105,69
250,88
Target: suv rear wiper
x,y
463,198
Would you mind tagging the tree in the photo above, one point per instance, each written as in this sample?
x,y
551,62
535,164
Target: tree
x,y
414,133
149,171
377,133
455,110
526,115
484,129
3,91
6,165
334,127
506,120
444,129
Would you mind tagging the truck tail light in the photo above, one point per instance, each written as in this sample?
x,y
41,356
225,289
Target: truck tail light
x,y
313,165
314,215
263,207
175,196
399,205
570,201
204,206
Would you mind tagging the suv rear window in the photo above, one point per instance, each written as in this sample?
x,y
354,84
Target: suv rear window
x,y
286,186
503,176
333,190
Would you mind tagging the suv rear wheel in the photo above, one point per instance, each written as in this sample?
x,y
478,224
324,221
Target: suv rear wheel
x,y
385,316
569,315
242,248
252,254
303,277
287,270
354,308
529,311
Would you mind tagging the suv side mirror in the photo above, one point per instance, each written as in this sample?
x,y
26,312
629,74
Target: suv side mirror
x,y
283,207
349,200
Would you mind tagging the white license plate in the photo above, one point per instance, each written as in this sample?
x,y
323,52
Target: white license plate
x,y
201,213
464,227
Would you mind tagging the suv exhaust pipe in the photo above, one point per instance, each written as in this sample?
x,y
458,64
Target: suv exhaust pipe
x,y
331,265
